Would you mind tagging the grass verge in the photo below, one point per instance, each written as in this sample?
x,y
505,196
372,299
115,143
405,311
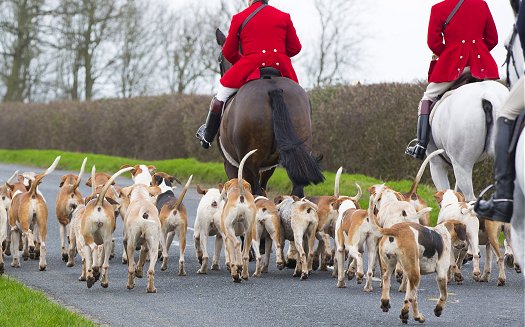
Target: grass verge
x,y
211,173
22,306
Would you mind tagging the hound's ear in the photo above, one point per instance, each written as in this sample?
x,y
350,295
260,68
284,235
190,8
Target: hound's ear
x,y
200,190
62,180
296,198
152,169
400,196
439,197
125,191
10,186
20,178
278,199
220,186
88,182
220,37
460,196
372,190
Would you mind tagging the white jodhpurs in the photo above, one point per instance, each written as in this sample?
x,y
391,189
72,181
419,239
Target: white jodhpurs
x,y
223,93
435,89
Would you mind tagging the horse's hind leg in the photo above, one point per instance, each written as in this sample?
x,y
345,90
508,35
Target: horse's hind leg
x,y
438,171
463,174
265,177
298,190
231,170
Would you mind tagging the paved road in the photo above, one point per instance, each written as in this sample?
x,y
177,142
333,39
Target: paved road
x,y
274,299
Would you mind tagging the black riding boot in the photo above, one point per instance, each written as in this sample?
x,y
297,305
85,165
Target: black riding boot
x,y
499,206
419,150
206,133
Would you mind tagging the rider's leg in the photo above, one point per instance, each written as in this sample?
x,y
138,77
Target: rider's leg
x,y
499,206
207,132
423,125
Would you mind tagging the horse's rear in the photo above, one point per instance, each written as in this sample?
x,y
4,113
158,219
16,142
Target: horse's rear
x,y
463,125
275,123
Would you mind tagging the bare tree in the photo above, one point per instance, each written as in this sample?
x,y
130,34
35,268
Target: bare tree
x,y
189,49
136,46
19,45
85,28
337,47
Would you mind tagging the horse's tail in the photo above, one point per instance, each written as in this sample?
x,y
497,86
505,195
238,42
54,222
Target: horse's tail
x,y
302,168
489,121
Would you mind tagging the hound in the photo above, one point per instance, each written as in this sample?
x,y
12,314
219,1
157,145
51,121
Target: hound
x,y
28,211
68,199
173,218
207,223
238,218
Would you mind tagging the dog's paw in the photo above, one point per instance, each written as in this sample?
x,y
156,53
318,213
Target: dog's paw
x,y
476,276
130,286
291,263
438,310
7,252
517,268
124,261
90,282
139,273
296,273
70,264
485,277
399,276
215,266
304,276
458,277
152,290
341,284
385,305
82,278
350,274
201,271
280,265
15,264
404,316
182,273
42,267
65,257
1,268
501,281
420,319
104,285
367,289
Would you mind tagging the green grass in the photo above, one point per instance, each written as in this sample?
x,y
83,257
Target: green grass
x,y
21,306
211,173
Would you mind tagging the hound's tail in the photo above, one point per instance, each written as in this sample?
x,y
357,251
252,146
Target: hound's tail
x,y
302,168
239,172
79,177
182,194
421,170
108,184
39,177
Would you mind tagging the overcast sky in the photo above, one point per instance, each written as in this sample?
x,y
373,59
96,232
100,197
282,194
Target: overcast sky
x,y
396,49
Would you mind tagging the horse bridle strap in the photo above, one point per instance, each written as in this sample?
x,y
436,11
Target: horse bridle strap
x,y
255,12
456,8
510,55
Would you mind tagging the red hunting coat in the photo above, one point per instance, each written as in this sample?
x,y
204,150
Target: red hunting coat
x,y
268,40
469,37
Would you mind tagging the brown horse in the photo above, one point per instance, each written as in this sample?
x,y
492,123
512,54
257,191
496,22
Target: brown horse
x,y
272,116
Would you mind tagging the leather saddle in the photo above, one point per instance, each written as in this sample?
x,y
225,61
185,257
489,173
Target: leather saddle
x,y
269,72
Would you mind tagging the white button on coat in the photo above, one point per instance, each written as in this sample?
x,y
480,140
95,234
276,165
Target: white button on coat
x,y
264,64
463,41
277,64
274,50
473,41
264,51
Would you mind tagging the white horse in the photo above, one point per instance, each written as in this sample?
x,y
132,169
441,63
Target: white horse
x,y
463,125
518,215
